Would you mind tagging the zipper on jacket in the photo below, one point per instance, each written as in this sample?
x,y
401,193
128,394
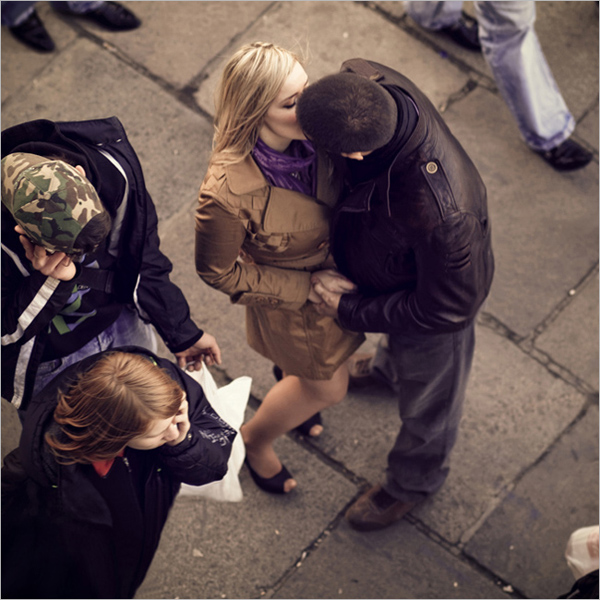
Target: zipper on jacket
x,y
126,463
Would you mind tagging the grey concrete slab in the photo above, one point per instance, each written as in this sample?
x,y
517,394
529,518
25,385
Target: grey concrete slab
x,y
331,32
588,128
524,540
238,550
177,39
20,65
172,142
513,411
385,564
572,340
544,223
568,33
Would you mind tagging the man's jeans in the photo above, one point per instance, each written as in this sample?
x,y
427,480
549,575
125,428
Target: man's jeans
x,y
429,375
127,330
512,50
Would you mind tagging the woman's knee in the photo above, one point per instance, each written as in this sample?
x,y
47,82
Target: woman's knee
x,y
331,391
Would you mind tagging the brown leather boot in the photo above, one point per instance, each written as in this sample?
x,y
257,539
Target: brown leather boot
x,y
374,510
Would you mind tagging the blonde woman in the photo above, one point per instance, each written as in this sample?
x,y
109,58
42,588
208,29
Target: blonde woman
x,y
262,228
105,447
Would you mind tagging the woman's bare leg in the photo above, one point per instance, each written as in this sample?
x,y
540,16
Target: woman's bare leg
x,y
288,403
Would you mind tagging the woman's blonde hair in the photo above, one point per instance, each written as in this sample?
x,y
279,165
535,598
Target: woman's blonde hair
x,y
109,405
250,82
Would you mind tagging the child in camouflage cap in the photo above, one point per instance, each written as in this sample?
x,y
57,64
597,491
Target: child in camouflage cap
x,y
53,203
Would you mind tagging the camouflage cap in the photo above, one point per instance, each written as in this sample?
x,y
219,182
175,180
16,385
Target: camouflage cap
x,y
49,199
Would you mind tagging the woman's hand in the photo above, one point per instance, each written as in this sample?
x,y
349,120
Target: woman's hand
x,y
182,421
333,281
57,265
330,301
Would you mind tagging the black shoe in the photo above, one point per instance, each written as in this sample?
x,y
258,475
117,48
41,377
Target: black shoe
x,y
464,32
114,16
303,428
33,33
567,156
273,485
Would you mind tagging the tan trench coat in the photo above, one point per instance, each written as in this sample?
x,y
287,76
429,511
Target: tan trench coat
x,y
259,244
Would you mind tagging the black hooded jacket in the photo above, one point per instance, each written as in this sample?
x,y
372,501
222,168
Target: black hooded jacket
x,y
139,272
416,237
69,533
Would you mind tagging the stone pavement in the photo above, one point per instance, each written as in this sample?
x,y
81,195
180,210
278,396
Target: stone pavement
x,y
525,470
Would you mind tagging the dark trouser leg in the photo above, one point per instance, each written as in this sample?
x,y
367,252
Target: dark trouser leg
x,y
15,13
429,374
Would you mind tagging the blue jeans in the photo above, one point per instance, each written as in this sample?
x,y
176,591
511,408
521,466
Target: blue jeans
x,y
127,330
429,375
513,52
15,13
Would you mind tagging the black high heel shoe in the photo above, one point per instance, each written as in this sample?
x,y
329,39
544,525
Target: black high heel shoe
x,y
273,485
303,428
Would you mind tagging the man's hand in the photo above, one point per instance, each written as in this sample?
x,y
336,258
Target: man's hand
x,y
57,265
204,350
182,420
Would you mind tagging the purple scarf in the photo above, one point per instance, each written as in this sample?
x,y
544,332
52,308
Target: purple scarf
x,y
296,171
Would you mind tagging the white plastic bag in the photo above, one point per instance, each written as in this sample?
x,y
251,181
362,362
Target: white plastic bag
x,y
582,551
229,403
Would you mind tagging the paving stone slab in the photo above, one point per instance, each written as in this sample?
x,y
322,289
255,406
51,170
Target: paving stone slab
x,y
524,540
21,66
331,32
544,223
572,340
587,129
399,562
514,411
237,550
172,142
177,39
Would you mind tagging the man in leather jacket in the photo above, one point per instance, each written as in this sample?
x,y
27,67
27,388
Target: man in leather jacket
x,y
412,232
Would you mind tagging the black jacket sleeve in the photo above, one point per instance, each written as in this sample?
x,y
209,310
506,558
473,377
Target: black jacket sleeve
x,y
202,457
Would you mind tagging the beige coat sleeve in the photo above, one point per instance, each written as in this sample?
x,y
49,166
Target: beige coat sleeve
x,y
220,235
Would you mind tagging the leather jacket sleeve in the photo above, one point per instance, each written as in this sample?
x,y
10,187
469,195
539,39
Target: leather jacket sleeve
x,y
451,263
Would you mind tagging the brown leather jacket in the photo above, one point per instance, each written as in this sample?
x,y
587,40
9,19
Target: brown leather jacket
x,y
417,238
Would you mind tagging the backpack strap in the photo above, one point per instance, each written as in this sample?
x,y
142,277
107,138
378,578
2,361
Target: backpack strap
x,y
363,68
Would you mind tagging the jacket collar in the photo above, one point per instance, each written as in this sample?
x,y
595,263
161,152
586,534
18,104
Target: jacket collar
x,y
245,177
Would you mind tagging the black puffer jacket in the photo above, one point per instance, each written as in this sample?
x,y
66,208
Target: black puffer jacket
x,y
417,238
69,533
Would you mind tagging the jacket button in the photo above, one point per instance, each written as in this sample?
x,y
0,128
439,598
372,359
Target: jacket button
x,y
431,167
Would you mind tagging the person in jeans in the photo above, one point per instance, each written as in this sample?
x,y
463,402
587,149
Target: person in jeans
x,y
412,231
82,269
23,22
512,50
